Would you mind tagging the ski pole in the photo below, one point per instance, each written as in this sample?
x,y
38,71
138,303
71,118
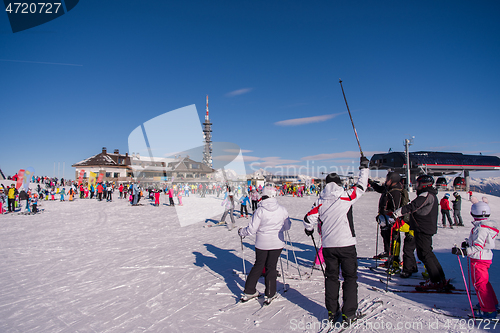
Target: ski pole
x,y
294,255
283,274
243,257
376,246
466,288
317,253
352,122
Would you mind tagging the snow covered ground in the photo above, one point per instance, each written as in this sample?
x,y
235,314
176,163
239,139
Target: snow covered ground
x,y
88,266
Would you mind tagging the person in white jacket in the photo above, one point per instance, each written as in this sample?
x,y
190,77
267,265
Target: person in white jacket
x,y
478,248
268,223
333,210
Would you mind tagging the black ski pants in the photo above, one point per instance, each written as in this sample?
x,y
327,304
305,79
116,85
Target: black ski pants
x,y
11,205
345,259
423,243
409,262
457,217
244,208
254,205
263,259
446,215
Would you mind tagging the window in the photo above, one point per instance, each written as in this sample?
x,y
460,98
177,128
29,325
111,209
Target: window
x,y
195,166
116,175
108,174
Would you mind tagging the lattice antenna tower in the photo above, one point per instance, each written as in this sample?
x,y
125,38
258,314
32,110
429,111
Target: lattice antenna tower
x,y
207,132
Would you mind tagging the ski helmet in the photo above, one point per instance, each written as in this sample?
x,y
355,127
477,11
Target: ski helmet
x,y
480,209
333,177
269,192
456,195
425,180
394,176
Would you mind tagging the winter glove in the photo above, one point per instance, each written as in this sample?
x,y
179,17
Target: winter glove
x,y
458,251
363,163
240,233
464,245
309,232
396,213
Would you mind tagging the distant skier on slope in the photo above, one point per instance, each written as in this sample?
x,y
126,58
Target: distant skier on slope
x,y
268,223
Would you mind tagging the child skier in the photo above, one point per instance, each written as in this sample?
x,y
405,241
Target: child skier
x,y
179,197
34,203
63,192
157,198
478,248
244,201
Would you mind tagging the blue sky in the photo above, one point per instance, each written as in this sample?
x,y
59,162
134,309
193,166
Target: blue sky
x,y
86,80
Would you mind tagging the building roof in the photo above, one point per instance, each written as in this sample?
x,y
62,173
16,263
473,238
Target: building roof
x,y
105,159
188,165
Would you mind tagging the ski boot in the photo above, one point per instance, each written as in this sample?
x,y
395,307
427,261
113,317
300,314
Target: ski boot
x,y
268,300
246,297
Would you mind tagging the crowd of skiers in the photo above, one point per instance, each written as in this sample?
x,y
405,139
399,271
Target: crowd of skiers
x,y
332,214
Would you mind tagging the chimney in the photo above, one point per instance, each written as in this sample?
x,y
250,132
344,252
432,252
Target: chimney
x,y
104,150
117,151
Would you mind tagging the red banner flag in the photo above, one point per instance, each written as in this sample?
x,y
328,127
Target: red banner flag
x,y
80,177
100,177
20,178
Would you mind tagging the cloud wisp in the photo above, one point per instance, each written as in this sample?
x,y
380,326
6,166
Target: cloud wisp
x,y
239,92
307,120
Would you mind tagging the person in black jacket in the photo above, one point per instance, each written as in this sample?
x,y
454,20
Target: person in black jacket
x,y
423,220
457,207
389,201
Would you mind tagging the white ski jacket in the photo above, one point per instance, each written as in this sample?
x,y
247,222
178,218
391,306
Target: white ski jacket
x,y
331,211
268,223
482,240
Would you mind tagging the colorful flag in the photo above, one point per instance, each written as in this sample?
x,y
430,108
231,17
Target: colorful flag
x,y
91,179
20,179
80,177
28,174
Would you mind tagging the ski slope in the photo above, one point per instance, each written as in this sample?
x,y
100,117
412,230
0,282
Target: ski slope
x,y
89,266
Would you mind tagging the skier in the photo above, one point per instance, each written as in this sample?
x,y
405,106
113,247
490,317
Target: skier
x,y
156,194
11,198
23,200
179,197
171,196
34,203
389,201
478,247
244,201
62,193
254,196
109,196
228,204
268,223
457,207
339,242
445,210
423,212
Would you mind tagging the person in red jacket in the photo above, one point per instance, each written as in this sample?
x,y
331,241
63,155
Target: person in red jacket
x,y
121,191
445,210
100,188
